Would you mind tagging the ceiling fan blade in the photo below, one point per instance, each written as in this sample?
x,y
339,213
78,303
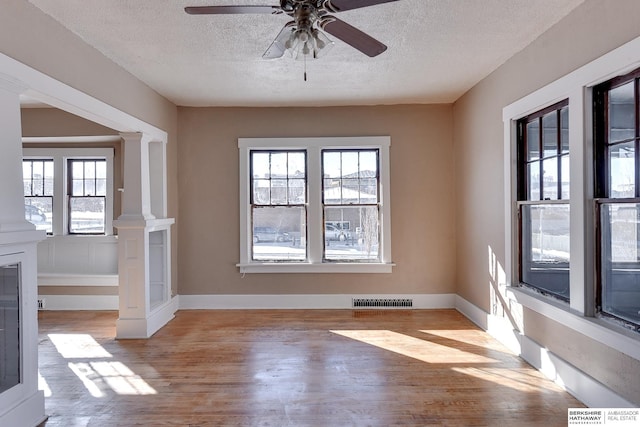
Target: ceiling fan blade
x,y
231,10
353,36
342,5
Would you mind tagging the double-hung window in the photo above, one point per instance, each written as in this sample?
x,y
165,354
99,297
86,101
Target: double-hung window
x,y
315,205
278,205
37,179
351,206
617,192
543,200
87,195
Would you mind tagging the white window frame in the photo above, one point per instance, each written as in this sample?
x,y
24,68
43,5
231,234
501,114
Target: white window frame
x,y
60,197
314,147
576,86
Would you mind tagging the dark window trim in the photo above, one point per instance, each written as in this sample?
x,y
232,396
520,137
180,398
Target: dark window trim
x,y
602,175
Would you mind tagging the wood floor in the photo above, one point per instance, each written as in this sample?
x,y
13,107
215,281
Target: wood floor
x,y
290,368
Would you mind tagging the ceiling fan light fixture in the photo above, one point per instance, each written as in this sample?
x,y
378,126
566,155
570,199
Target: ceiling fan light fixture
x,y
308,44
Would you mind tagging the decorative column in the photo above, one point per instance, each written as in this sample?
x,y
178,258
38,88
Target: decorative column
x,y
144,244
21,403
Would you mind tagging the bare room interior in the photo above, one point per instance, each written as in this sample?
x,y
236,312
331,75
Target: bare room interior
x,y
318,212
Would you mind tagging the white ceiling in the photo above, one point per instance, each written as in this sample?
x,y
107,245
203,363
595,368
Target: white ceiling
x,y
437,49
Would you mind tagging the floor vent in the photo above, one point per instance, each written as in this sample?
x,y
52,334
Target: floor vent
x,y
40,303
382,303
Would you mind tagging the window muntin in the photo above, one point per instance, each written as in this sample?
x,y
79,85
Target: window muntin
x,y
617,144
37,179
543,193
278,205
351,209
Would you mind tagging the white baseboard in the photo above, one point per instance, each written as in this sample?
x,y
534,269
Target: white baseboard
x,y
301,301
80,302
585,388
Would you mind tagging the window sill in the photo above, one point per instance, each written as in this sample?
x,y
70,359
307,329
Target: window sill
x,y
290,267
600,330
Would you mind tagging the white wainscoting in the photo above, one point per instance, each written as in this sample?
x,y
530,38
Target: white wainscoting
x,y
78,261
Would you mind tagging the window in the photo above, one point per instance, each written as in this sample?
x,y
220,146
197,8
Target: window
x,y
351,205
69,190
543,205
617,148
315,205
278,205
87,194
38,192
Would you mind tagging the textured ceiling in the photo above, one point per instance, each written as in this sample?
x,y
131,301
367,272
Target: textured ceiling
x,y
437,49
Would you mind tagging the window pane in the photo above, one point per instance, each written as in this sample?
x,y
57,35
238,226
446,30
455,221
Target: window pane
x,y
533,140
297,191
331,164
350,164
533,173
77,170
620,293
261,192
622,119
279,165
550,178
77,187
622,170
278,191
89,169
87,215
89,187
351,233
260,165
368,164
297,167
101,187
101,169
550,134
38,211
545,248
564,129
279,234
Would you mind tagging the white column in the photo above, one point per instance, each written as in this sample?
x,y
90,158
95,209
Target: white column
x,y
22,404
140,313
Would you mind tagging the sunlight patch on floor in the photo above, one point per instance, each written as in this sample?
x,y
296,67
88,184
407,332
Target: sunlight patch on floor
x,y
78,346
416,348
516,379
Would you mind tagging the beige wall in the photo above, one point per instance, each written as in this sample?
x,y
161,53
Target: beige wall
x,y
591,30
421,197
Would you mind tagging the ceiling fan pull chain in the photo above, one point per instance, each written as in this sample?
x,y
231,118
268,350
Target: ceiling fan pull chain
x,y
305,68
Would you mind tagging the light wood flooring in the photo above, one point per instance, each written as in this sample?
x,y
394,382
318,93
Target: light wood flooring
x,y
290,368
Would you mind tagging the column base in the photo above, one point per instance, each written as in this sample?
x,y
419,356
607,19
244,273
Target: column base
x,y
136,328
28,413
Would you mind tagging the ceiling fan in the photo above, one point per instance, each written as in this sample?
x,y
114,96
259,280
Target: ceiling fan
x,y
303,37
